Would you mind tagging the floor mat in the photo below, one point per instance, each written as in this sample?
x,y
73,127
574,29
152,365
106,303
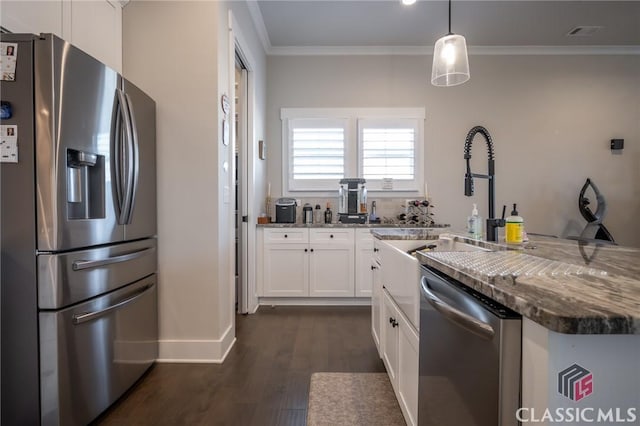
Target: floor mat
x,y
341,399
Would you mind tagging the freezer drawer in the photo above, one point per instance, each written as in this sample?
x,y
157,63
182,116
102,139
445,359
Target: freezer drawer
x,y
68,278
93,352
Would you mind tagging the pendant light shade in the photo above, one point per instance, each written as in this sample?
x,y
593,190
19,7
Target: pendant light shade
x,y
450,61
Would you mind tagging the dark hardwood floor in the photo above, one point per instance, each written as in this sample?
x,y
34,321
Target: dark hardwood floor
x,y
264,380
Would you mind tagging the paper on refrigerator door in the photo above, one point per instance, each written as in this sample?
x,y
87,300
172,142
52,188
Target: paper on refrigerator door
x,y
8,55
8,144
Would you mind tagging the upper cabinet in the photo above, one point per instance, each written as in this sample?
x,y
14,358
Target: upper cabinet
x,y
93,26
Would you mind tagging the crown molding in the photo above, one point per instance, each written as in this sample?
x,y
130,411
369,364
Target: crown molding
x,y
258,23
428,50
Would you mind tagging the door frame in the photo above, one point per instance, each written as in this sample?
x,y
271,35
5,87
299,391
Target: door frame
x,y
239,46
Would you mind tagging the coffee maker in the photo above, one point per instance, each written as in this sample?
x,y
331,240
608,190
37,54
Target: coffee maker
x,y
352,201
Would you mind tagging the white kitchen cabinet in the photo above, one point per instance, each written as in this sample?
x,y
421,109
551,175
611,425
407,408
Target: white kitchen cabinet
x,y
400,349
331,263
389,325
96,28
286,270
93,26
376,302
300,262
33,17
364,251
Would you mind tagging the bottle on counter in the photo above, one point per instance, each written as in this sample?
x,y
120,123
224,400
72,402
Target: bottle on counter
x,y
317,217
328,215
514,228
474,223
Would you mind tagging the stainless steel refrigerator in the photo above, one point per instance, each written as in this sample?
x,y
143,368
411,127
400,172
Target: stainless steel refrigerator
x,y
78,234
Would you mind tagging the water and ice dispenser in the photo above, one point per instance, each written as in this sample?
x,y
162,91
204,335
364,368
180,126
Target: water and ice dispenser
x,y
85,185
352,201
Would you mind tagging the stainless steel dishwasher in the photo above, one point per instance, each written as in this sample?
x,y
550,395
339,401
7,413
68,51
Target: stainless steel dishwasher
x,y
470,350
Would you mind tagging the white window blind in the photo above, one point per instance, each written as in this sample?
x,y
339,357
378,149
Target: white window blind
x,y
389,150
317,153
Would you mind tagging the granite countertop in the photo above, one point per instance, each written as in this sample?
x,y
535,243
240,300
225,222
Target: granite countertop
x,y
564,285
350,225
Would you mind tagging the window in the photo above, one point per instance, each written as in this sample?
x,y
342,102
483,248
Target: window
x,y
387,153
316,153
382,145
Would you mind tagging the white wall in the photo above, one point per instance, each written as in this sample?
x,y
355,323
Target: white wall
x,y
178,52
551,118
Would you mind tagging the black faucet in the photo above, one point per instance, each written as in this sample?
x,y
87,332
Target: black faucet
x,y
492,223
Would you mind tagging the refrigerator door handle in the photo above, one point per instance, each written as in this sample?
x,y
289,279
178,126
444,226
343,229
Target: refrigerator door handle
x,y
116,152
134,165
80,265
477,327
82,318
126,159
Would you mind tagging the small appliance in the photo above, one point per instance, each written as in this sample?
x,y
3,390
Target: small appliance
x,y
307,214
286,210
352,201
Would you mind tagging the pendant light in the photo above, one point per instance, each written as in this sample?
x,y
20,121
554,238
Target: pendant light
x,y
450,62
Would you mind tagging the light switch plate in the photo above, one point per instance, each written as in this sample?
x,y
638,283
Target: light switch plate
x,y
9,151
225,195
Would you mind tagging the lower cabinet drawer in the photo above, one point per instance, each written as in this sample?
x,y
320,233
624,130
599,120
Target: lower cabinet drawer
x,y
290,235
331,236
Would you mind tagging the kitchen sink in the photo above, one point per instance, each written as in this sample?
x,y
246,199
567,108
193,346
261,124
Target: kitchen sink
x,y
446,243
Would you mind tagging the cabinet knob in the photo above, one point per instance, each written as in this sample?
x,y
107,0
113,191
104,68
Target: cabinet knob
x,y
375,250
286,236
390,320
373,267
331,235
394,324
306,250
311,250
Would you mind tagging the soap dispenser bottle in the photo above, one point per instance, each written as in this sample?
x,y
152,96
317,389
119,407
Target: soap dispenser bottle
x,y
474,223
514,231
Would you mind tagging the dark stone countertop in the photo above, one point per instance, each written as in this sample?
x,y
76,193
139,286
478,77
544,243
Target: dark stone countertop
x,y
564,285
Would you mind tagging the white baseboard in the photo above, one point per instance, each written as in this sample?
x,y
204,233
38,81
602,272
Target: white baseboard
x,y
315,301
196,351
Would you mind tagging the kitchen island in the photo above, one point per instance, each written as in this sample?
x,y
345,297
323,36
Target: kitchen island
x,y
580,304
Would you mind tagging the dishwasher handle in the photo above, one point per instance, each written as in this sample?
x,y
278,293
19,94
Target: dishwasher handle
x,y
466,321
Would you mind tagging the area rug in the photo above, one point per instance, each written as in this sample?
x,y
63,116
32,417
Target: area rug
x,y
350,399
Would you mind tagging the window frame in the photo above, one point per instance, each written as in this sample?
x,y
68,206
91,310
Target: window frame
x,y
352,161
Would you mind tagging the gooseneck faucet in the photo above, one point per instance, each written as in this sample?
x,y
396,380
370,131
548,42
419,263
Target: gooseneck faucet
x,y
492,223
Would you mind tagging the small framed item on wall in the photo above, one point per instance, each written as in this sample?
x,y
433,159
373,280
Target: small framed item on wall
x,y
262,150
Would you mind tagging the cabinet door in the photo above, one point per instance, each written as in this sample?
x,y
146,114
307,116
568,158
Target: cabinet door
x,y
286,270
376,303
96,28
364,252
32,16
331,270
408,374
389,338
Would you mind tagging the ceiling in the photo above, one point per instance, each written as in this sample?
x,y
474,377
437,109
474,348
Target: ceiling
x,y
309,24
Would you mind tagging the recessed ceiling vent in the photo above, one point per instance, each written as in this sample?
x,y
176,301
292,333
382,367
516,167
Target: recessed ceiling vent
x,y
584,31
